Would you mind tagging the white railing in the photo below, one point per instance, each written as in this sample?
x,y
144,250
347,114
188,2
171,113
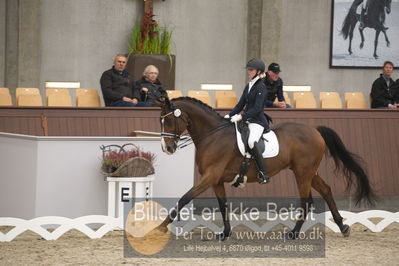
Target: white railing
x,y
110,223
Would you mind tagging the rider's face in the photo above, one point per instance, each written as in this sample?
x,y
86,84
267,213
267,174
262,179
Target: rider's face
x,y
388,69
251,73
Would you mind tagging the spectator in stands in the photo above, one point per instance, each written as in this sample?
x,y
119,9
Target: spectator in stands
x,y
274,85
149,86
117,85
395,93
384,91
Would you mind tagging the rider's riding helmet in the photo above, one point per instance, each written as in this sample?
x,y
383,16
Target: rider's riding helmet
x,y
256,64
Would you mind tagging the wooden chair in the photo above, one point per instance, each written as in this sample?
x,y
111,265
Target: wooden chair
x,y
328,94
58,91
5,99
87,98
200,95
304,99
28,91
4,91
174,94
330,100
225,99
20,91
29,100
355,100
59,100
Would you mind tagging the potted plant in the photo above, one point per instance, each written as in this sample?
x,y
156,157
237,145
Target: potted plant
x,y
127,163
150,45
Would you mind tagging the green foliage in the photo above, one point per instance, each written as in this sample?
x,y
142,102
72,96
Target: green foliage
x,y
148,38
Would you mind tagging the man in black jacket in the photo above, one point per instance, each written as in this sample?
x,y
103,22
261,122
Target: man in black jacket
x,y
149,86
384,92
117,85
274,86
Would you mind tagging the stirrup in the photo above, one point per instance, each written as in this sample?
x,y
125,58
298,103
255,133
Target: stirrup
x,y
263,178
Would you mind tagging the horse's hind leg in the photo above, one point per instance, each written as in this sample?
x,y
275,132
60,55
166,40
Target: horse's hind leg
x,y
351,38
220,193
325,191
377,34
362,37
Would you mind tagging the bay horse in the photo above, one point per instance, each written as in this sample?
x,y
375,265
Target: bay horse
x,y
218,159
374,19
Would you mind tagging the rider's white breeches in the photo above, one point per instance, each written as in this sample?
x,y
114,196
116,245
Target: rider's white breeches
x,y
255,133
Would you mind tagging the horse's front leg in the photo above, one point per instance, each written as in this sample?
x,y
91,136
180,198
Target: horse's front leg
x,y
189,196
386,38
220,193
377,34
351,38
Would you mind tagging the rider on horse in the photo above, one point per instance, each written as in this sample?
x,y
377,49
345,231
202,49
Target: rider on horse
x,y
253,99
364,12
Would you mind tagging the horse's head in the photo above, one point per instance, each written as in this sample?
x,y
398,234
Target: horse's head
x,y
388,6
173,124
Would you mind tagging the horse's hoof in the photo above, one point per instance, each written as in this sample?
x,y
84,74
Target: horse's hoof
x,y
346,230
223,236
161,228
361,46
291,235
388,44
376,56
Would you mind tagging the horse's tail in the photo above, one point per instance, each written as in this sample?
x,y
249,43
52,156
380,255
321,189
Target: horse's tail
x,y
349,163
350,20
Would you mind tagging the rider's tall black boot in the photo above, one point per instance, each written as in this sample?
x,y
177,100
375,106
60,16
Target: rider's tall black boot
x,y
257,154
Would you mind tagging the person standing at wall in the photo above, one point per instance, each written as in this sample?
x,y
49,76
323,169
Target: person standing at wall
x,y
117,85
384,91
274,85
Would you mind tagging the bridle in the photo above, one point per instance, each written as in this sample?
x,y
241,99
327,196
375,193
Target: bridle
x,y
177,114
187,140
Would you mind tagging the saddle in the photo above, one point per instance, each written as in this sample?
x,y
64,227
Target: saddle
x,y
269,146
268,142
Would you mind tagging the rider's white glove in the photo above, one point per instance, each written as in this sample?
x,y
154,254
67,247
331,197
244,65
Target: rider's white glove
x,y
227,116
236,118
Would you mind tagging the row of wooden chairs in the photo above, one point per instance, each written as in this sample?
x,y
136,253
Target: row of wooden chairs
x,y
54,97
228,99
330,100
223,99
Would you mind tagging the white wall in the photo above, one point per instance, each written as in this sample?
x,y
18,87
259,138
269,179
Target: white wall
x,y
60,176
18,164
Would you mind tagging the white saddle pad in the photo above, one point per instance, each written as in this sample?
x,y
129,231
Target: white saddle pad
x,y
271,144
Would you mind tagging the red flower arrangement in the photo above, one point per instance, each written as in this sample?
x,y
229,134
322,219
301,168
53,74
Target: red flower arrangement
x,y
113,159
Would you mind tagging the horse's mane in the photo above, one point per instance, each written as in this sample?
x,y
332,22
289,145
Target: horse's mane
x,y
204,106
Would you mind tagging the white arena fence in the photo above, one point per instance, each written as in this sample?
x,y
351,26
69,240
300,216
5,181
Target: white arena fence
x,y
110,223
